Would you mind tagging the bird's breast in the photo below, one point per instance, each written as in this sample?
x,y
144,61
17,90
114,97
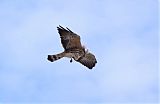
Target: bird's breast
x,y
75,54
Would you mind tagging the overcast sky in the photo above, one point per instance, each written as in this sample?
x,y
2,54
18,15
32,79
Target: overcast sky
x,y
123,35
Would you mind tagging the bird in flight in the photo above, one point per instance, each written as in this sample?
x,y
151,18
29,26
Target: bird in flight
x,y
73,49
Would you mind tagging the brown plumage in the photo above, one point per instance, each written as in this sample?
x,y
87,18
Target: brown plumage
x,y
73,49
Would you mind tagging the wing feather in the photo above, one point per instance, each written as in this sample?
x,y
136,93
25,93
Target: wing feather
x,y
68,38
88,60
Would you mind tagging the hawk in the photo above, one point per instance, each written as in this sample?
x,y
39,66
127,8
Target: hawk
x,y
73,49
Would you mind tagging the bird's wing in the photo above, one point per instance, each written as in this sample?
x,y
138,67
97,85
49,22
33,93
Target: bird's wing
x,y
69,39
88,60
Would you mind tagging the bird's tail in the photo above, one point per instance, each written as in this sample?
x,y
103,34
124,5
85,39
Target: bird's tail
x,y
55,57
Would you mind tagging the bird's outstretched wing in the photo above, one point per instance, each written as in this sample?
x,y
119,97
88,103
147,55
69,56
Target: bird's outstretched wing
x,y
69,39
88,60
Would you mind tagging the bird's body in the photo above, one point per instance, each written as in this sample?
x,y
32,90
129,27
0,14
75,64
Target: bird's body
x,y
73,49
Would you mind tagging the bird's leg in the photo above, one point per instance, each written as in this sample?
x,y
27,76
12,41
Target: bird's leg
x,y
71,60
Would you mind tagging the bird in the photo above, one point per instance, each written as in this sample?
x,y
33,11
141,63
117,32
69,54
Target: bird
x,y
73,49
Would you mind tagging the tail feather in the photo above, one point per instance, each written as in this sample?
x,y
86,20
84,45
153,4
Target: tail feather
x,y
55,57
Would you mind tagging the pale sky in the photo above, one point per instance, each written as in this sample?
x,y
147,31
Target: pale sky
x,y
123,35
